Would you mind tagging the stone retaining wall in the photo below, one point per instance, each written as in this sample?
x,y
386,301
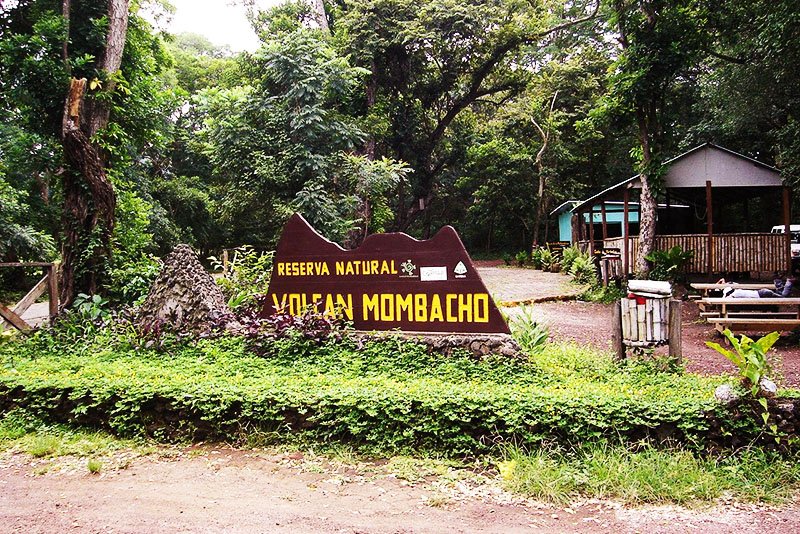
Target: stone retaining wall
x,y
744,424
479,345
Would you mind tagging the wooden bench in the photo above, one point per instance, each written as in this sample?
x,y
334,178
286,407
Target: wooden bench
x,y
737,314
751,313
752,324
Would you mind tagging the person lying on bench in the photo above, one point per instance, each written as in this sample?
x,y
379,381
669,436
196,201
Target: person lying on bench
x,y
783,289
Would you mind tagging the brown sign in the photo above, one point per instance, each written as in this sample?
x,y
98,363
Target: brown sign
x,y
390,281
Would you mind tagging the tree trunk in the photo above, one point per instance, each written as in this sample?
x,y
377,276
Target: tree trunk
x,y
89,198
98,110
89,203
540,211
647,200
372,93
318,7
544,133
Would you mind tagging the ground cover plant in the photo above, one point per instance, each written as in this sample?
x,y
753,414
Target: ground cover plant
x,y
21,432
386,395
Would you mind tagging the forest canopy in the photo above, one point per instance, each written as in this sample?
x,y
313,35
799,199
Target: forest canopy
x,y
118,141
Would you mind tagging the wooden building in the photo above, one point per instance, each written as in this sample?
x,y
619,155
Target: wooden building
x,y
608,217
728,204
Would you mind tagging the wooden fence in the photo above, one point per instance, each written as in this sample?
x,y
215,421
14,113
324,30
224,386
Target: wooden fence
x,y
49,283
729,252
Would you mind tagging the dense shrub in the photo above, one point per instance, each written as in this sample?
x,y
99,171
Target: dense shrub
x,y
669,264
245,276
388,394
568,256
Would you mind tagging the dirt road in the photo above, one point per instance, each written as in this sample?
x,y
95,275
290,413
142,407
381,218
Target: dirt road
x,y
224,490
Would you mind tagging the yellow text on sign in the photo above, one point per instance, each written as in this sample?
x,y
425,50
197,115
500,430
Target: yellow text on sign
x,y
341,268
423,308
298,303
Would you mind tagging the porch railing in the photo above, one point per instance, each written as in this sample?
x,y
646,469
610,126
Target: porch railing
x,y
749,252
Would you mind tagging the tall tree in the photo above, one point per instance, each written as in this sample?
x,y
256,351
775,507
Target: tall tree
x,y
89,198
750,97
103,129
431,61
659,40
276,146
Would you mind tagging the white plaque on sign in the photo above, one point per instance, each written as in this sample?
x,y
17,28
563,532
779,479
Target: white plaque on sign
x,y
432,274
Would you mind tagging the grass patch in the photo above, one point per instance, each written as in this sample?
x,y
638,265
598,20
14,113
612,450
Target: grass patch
x,y
646,475
94,466
22,432
602,294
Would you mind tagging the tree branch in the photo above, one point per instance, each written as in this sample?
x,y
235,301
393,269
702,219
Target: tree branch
x,y
726,57
482,72
66,8
567,24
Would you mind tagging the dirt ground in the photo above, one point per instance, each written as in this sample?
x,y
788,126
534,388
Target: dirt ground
x,y
223,490
588,323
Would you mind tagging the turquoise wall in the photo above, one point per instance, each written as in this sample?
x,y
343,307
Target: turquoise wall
x,y
612,217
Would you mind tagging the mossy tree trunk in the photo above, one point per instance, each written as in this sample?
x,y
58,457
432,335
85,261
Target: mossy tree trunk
x,y
89,198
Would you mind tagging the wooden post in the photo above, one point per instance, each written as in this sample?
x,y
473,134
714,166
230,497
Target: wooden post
x,y
675,348
626,199
573,223
52,290
14,320
605,224
787,218
710,226
667,211
616,332
591,231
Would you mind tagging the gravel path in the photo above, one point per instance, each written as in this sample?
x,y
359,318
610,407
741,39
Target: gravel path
x,y
513,286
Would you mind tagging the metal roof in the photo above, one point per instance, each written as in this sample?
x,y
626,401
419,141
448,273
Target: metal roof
x,y
630,181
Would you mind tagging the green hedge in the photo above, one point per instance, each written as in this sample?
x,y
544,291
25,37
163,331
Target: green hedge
x,y
387,395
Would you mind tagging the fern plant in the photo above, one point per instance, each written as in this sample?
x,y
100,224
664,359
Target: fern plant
x,y
536,257
583,270
546,259
568,257
531,335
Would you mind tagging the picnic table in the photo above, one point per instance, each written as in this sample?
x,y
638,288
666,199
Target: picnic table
x,y
749,314
704,288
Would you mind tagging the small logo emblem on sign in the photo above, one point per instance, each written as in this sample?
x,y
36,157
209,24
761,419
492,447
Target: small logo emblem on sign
x,y
408,268
460,270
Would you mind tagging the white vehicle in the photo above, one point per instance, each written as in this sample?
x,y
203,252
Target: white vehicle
x,y
795,230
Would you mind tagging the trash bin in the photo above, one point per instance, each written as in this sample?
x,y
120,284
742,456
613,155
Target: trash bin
x,y
645,313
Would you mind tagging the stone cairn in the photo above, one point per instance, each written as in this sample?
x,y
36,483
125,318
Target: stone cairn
x,y
184,297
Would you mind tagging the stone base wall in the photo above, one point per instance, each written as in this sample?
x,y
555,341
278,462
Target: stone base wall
x,y
479,345
743,424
